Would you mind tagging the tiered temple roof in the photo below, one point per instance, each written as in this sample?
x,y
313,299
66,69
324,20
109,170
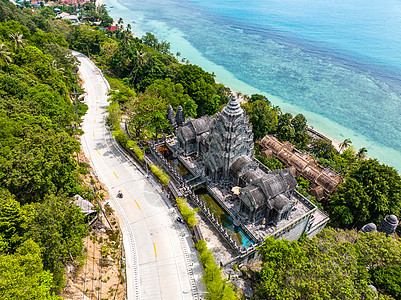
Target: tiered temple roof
x,y
230,138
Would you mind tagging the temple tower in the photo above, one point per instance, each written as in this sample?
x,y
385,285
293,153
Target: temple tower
x,y
388,224
171,117
230,137
180,116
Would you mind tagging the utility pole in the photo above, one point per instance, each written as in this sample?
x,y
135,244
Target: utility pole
x,y
75,95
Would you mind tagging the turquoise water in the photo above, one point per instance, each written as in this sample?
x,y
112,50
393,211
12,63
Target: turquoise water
x,y
338,62
237,233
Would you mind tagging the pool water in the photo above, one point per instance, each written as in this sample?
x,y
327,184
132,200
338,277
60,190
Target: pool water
x,y
175,163
237,233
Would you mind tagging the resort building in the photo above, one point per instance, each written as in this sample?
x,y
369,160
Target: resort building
x,y
324,181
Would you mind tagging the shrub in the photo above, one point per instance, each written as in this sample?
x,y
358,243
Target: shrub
x,y
134,146
113,119
120,136
163,177
187,213
217,287
388,278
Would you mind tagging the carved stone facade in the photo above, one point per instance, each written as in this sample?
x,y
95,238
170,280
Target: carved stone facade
x,y
218,152
269,197
225,144
192,135
230,137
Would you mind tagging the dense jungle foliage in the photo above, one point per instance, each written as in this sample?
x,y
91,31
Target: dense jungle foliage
x,y
336,264
41,231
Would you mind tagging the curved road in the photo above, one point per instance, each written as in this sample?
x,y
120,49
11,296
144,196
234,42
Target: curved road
x,y
161,262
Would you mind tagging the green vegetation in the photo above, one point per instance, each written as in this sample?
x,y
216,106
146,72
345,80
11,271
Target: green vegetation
x,y
163,177
147,115
23,276
120,136
187,213
134,146
216,287
369,193
41,230
262,117
333,265
387,278
293,129
271,163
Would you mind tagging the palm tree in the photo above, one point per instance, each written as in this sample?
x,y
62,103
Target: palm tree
x,y
57,69
18,41
142,59
345,144
4,55
362,153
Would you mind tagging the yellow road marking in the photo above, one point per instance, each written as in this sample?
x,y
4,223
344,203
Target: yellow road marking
x,y
97,97
154,246
98,152
96,108
93,134
115,175
95,121
137,204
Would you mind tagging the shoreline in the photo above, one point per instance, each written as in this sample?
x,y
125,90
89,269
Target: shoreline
x,y
242,100
194,60
99,2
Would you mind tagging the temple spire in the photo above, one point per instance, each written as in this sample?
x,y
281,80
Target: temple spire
x,y
171,116
233,107
180,116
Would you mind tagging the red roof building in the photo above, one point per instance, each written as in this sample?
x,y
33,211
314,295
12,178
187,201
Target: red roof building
x,y
112,28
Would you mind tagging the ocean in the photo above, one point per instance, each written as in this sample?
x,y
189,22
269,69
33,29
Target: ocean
x,y
337,62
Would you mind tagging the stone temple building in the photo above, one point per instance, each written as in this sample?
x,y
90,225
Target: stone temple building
x,y
225,145
269,197
192,135
230,139
219,152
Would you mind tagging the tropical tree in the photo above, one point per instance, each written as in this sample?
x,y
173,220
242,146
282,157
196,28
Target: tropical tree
x,y
333,265
4,55
369,193
262,118
147,114
23,276
322,149
171,92
142,59
362,153
18,41
345,144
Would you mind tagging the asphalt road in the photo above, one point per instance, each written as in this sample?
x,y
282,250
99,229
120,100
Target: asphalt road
x,y
161,262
